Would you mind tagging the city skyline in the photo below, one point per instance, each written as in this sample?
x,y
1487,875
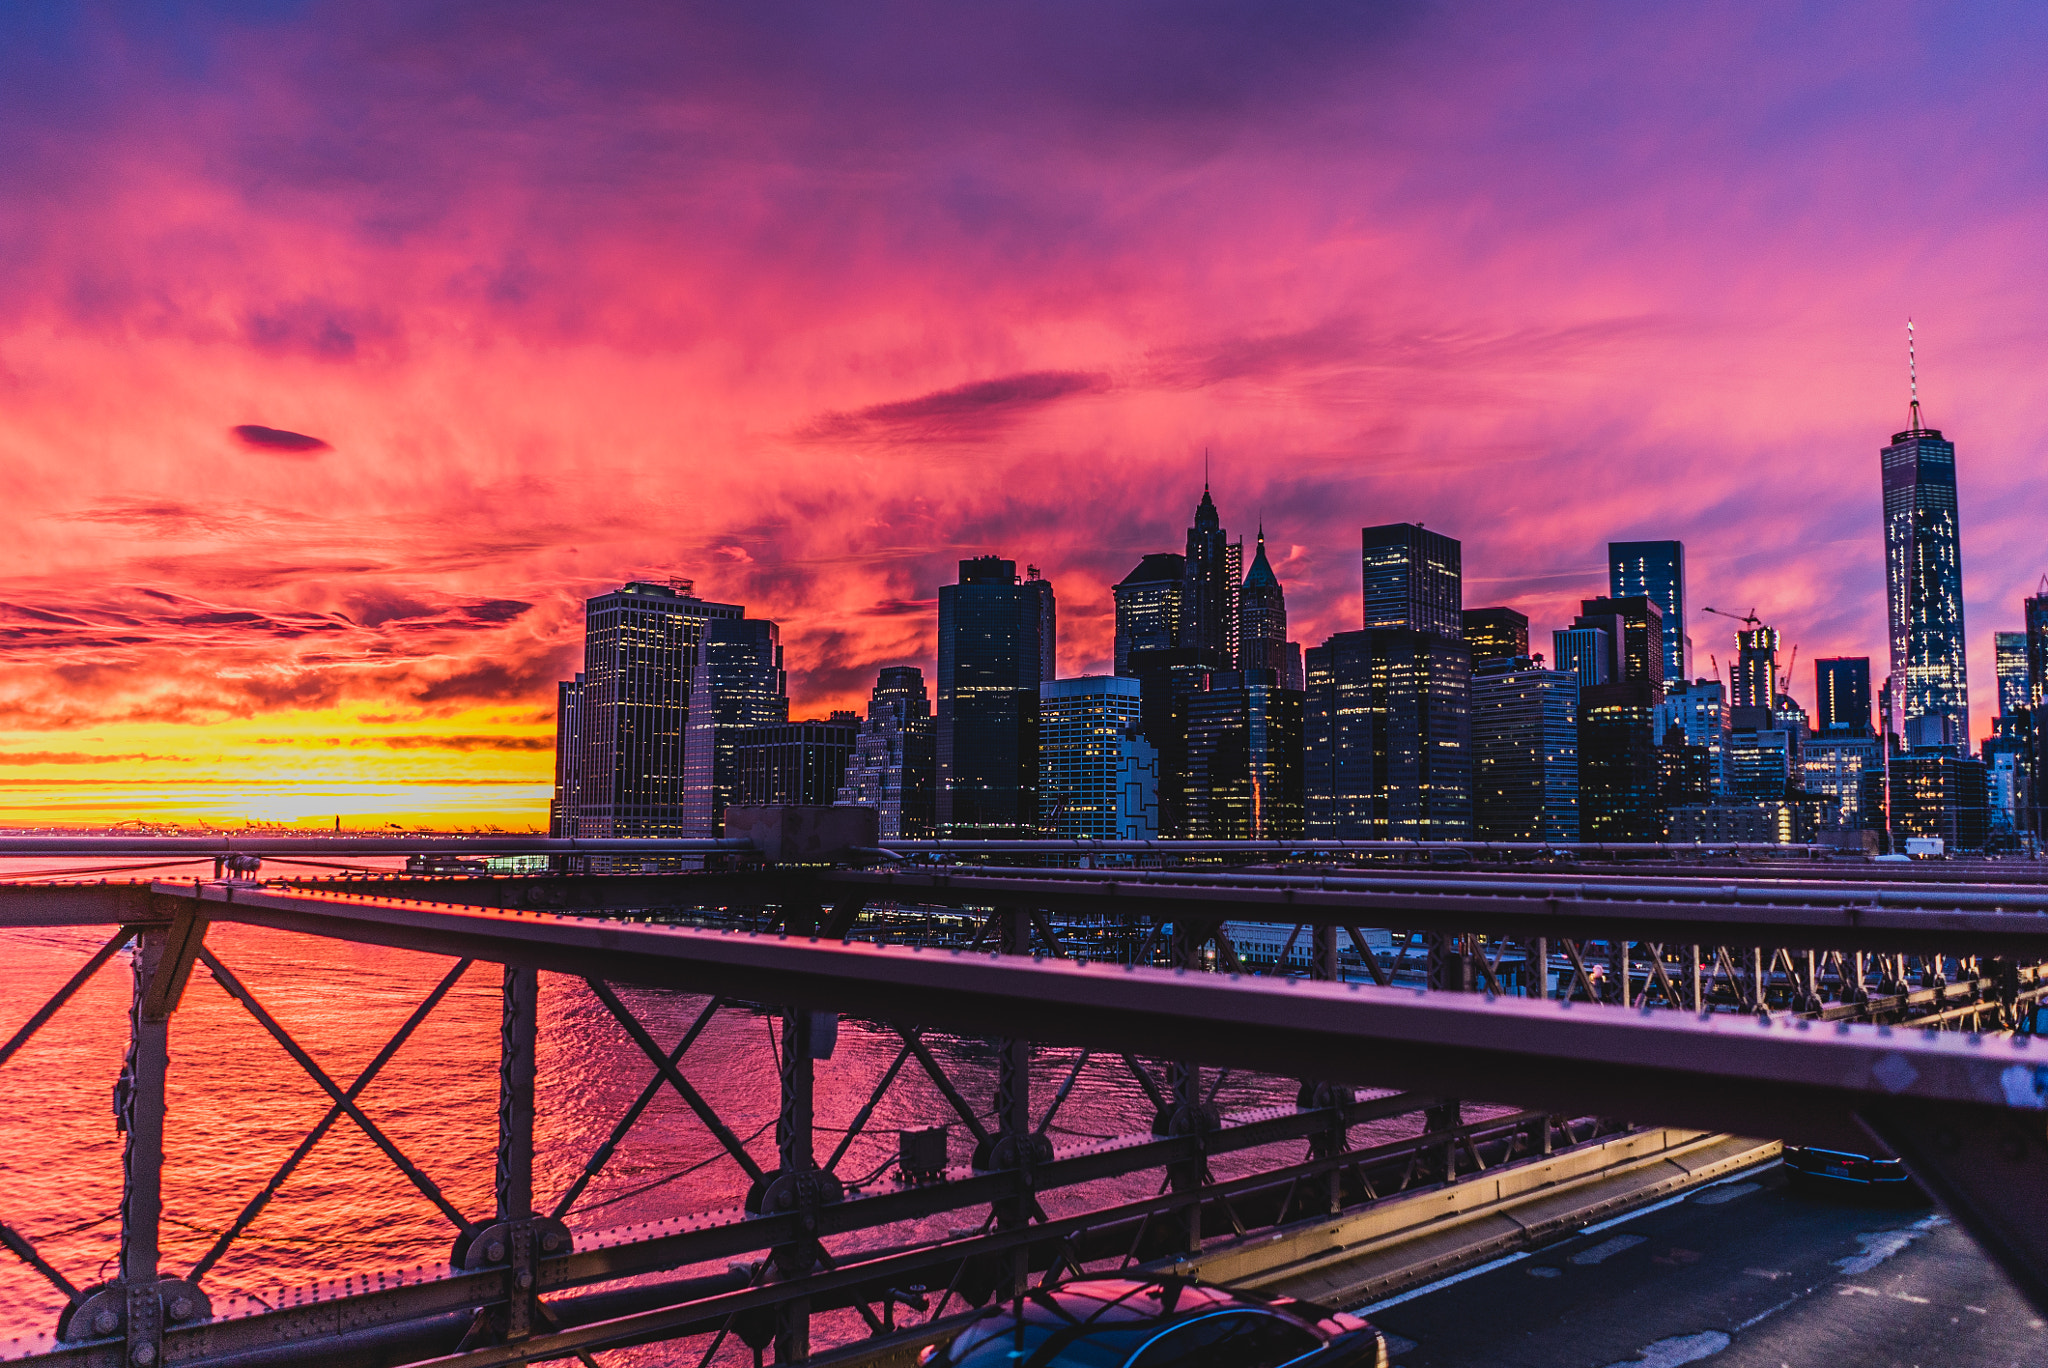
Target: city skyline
x,y
323,440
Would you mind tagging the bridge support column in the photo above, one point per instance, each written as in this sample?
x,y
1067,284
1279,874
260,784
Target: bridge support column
x,y
139,1111
1450,971
1324,967
1015,1146
798,1184
1191,1114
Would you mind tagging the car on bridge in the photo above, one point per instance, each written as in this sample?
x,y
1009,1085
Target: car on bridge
x,y
1817,1170
1112,1322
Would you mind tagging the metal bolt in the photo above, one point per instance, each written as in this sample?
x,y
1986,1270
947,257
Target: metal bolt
x,y
145,1354
494,1251
525,1280
106,1322
180,1308
550,1241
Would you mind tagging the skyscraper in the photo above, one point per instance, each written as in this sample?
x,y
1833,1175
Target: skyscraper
x,y
1167,679
1638,624
1149,603
2009,654
997,643
1082,724
1496,635
1244,758
1923,562
639,655
738,684
1414,580
1525,750
793,763
1841,689
1654,570
891,769
1588,652
1755,678
1388,737
1209,604
563,806
2037,645
1262,616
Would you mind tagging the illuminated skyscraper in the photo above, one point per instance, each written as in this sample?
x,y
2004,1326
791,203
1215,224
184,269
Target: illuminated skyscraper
x,y
1262,617
1525,751
1923,561
1414,580
2037,645
1082,726
1209,604
997,643
562,806
2009,655
1244,758
639,656
738,685
1588,652
1654,570
1756,672
891,767
1149,603
1388,737
1841,688
1496,635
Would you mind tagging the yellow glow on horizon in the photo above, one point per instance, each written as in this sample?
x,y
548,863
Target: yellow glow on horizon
x,y
487,767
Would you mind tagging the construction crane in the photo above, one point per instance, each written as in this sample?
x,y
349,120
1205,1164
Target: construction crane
x,y
1750,617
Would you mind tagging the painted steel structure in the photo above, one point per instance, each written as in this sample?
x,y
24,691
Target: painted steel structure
x,y
1628,1027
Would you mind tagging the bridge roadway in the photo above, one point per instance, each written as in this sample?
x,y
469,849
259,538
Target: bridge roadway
x,y
1968,1112
1749,1274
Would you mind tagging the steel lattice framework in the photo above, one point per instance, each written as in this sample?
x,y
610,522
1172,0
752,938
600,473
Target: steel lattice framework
x,y
1797,1003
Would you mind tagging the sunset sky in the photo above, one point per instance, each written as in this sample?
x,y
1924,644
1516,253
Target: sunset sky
x,y
806,303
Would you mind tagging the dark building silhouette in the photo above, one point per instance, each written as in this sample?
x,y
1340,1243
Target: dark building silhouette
x,y
1495,635
1244,758
1214,567
794,763
738,685
1388,737
562,806
1262,617
1923,562
639,656
1636,624
1654,570
1414,580
1685,772
2037,646
1618,761
1167,679
997,643
1942,795
1149,607
1525,749
1841,690
1618,769
892,766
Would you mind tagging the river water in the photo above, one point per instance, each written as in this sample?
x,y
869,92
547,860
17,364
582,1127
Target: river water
x,y
238,1105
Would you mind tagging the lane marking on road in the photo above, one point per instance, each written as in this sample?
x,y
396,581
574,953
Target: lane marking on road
x,y
1718,1195
1440,1284
1605,1250
1505,1260
1677,1351
1879,1245
1766,1315
1767,1274
1546,1272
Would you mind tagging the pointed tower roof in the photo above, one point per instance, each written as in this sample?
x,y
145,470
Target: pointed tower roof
x,y
1261,574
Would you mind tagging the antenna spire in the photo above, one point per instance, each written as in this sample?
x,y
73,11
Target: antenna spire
x,y
1913,373
1205,470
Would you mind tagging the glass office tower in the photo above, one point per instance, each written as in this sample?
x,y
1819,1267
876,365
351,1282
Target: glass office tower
x,y
1923,561
1149,604
1414,580
2009,655
738,685
1841,688
997,643
1654,570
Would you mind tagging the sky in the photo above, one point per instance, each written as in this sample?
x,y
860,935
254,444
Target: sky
x,y
345,349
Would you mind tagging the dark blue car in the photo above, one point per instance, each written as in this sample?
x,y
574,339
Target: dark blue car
x,y
1132,1323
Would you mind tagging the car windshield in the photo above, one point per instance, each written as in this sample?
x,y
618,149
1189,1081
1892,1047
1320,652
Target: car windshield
x,y
1010,1345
